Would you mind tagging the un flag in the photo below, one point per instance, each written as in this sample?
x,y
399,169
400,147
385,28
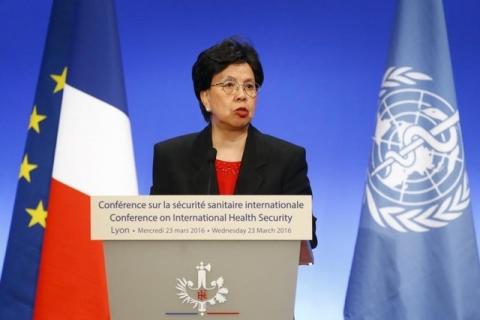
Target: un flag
x,y
416,256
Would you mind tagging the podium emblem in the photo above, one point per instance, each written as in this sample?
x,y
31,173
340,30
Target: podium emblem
x,y
202,294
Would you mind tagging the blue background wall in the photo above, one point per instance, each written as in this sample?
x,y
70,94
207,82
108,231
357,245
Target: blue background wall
x,y
323,63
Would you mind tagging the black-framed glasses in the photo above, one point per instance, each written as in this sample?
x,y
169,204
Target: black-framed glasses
x,y
230,86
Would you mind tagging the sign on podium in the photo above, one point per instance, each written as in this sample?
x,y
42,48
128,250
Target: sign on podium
x,y
200,257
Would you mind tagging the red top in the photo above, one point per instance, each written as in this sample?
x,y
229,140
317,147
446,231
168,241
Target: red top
x,y
227,174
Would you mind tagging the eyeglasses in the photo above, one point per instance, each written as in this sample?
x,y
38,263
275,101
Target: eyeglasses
x,y
229,86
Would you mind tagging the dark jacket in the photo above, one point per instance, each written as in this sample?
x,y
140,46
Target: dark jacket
x,y
270,166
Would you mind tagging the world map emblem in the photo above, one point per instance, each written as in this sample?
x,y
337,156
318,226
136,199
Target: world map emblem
x,y
417,178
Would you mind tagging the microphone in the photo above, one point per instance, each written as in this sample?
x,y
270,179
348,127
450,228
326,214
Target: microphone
x,y
211,156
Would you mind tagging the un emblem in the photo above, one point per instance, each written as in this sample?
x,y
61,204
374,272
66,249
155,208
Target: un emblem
x,y
417,179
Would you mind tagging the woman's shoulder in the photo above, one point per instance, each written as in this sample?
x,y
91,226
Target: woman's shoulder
x,y
176,143
274,144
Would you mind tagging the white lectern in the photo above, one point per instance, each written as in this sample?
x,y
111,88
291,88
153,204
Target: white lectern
x,y
199,279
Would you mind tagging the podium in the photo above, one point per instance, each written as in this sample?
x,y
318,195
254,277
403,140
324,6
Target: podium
x,y
181,278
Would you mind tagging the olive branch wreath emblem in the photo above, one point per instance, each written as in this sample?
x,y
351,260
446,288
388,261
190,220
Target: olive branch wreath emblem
x,y
418,220
404,219
396,76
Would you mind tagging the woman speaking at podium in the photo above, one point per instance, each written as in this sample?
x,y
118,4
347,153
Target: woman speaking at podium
x,y
229,156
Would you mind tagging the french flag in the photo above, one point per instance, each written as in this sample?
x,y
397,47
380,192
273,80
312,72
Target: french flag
x,y
93,156
52,268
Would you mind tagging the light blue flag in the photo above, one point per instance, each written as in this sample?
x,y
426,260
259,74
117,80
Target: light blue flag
x,y
416,255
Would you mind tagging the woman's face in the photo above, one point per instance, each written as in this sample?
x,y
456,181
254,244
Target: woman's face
x,y
235,110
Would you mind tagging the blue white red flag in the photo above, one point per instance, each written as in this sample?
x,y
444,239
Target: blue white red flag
x,y
78,145
416,255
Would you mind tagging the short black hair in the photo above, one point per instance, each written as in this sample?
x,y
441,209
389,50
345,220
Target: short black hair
x,y
232,50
